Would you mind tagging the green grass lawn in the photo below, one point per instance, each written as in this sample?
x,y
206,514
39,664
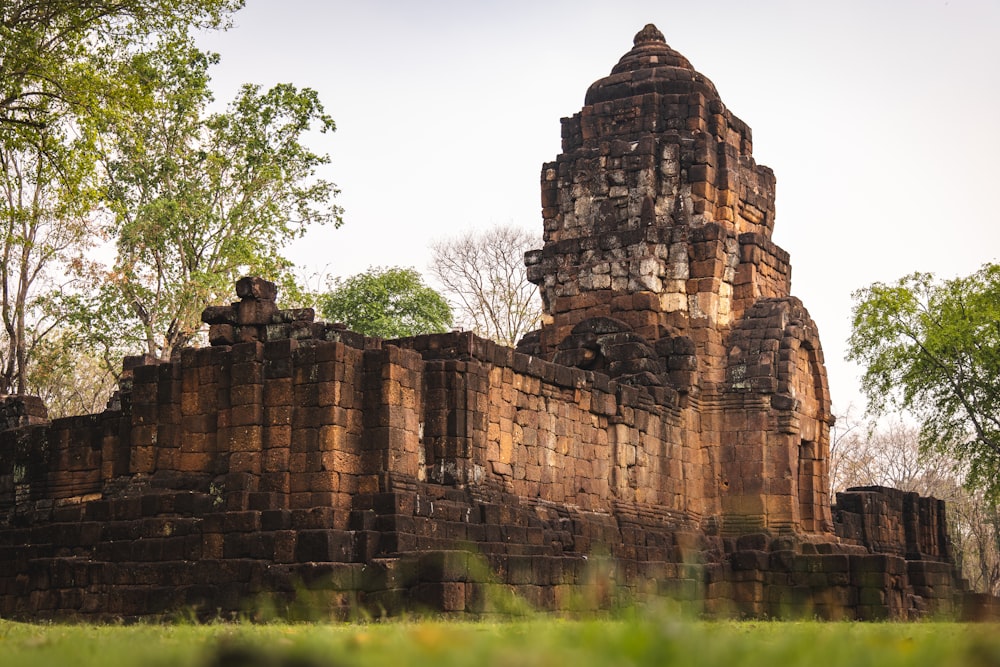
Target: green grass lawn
x,y
647,639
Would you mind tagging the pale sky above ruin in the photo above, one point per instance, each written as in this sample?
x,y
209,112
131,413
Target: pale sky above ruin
x,y
876,116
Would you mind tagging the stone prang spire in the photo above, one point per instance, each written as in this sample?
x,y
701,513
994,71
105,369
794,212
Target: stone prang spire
x,y
658,269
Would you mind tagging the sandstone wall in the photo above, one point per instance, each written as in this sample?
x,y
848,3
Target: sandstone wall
x,y
442,471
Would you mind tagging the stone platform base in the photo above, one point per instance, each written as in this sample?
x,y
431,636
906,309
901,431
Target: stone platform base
x,y
162,553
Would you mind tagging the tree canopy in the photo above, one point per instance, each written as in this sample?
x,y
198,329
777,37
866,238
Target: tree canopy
x,y
60,70
932,348
106,138
56,53
389,302
485,274
199,200
47,191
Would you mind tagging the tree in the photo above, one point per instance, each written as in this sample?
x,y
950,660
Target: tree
x,y
843,451
57,73
47,188
975,532
200,200
58,52
486,276
386,302
932,348
69,376
889,455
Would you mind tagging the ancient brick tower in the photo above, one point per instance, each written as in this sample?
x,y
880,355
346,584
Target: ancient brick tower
x,y
658,269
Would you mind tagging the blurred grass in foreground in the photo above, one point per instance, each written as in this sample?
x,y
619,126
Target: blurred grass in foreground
x,y
649,639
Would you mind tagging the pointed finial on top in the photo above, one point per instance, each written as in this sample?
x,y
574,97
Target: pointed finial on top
x,y
647,35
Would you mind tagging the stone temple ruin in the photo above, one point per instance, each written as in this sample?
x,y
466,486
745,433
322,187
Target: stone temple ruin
x,y
666,432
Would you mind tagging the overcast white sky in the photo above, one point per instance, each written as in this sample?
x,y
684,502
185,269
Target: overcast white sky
x,y
879,119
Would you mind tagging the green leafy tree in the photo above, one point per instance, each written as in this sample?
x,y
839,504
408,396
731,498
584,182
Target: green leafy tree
x,y
932,348
199,200
47,189
61,52
388,303
59,71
